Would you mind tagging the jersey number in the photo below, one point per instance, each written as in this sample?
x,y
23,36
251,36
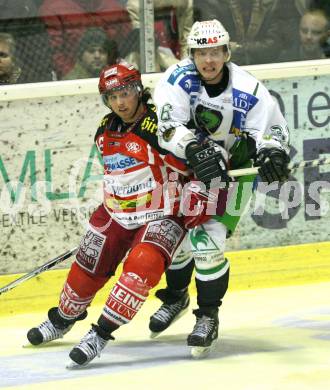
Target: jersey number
x,y
165,114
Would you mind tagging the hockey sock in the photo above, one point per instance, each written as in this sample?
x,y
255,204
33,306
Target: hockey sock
x,y
179,279
78,292
125,300
211,292
60,322
142,270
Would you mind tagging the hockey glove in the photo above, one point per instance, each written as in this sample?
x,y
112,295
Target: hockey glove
x,y
273,165
208,162
197,204
198,208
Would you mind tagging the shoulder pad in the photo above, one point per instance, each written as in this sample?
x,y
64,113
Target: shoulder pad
x,y
149,122
151,107
180,70
104,120
102,125
186,77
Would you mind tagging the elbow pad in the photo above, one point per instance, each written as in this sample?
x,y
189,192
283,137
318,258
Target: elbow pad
x,y
175,139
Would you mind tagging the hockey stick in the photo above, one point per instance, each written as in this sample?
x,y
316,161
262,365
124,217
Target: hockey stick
x,y
50,264
233,173
254,171
292,167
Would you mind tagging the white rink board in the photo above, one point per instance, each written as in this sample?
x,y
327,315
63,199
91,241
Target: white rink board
x,y
46,137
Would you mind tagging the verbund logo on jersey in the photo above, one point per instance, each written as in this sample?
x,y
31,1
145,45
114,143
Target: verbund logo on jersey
x,y
119,161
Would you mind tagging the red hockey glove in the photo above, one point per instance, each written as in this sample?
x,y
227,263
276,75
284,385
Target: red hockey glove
x,y
199,208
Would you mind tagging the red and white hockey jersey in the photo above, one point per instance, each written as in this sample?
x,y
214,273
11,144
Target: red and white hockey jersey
x,y
141,180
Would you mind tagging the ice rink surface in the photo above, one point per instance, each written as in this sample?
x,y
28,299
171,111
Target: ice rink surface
x,y
270,339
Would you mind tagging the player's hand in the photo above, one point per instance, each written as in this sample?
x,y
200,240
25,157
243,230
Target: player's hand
x,y
198,207
208,161
194,206
273,165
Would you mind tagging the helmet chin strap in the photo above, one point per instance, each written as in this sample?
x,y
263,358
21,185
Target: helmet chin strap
x,y
139,91
137,107
139,102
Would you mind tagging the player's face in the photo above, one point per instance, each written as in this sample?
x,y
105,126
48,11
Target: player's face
x,y
124,103
209,63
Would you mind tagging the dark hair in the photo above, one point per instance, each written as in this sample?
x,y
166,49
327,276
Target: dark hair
x,y
146,95
97,37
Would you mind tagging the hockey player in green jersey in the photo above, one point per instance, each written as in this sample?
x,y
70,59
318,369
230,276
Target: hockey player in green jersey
x,y
215,116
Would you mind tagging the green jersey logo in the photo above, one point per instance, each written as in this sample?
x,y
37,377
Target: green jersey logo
x,y
207,119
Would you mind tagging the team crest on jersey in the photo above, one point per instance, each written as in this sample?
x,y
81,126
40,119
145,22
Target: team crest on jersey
x,y
133,147
207,119
280,134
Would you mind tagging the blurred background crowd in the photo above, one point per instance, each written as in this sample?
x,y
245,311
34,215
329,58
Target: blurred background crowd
x,y
47,40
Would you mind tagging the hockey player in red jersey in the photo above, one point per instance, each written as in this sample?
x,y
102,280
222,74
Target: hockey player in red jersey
x,y
138,219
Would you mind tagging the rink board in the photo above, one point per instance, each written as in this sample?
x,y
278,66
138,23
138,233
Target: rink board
x,y
50,184
250,269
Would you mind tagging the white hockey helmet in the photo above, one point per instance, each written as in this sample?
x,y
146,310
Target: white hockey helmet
x,y
209,33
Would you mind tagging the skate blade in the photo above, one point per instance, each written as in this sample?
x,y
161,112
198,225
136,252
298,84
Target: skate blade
x,y
71,365
32,346
153,335
202,352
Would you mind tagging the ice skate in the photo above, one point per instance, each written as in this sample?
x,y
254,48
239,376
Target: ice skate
x,y
55,327
204,336
169,312
90,346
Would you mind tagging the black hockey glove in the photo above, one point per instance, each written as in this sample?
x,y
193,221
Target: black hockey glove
x,y
273,165
208,162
